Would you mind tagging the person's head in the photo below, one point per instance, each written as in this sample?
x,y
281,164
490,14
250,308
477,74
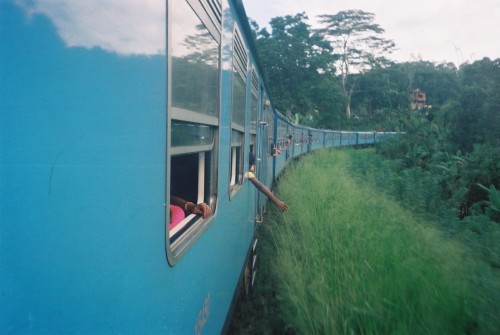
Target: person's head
x,y
251,161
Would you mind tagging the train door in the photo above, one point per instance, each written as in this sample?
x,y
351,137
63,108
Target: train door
x,y
261,153
258,153
254,131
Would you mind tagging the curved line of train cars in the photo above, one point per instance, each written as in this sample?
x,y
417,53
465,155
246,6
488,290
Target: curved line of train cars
x,y
108,109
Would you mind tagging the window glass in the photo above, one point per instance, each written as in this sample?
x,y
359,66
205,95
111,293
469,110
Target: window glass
x,y
194,62
254,109
238,111
191,134
239,99
236,159
254,103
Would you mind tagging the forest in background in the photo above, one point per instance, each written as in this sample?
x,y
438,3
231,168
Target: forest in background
x,y
445,166
339,76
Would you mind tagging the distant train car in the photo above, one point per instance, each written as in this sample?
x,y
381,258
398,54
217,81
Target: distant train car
x,y
365,138
333,138
381,136
348,138
109,110
316,139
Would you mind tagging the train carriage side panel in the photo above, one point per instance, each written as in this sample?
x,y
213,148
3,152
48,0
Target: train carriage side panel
x,y
83,176
282,144
316,139
88,144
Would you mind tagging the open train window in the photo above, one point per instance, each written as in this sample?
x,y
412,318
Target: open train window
x,y
236,159
194,37
190,179
238,113
193,177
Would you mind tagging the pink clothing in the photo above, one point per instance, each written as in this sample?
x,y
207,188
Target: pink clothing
x,y
176,216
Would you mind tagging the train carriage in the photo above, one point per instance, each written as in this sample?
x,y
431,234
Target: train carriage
x,y
283,146
381,136
299,139
332,138
108,111
348,138
316,139
102,122
365,138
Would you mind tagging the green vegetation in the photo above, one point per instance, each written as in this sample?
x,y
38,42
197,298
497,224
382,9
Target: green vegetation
x,y
349,259
439,193
403,240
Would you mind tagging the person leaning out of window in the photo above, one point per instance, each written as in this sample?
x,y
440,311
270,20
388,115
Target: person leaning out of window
x,y
261,187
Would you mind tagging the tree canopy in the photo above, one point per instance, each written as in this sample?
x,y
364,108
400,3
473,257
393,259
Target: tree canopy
x,y
296,61
359,43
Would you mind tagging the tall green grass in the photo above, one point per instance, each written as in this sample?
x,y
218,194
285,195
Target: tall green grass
x,y
346,259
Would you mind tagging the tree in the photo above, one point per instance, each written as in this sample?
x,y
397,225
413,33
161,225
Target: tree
x,y
439,82
357,40
479,114
294,59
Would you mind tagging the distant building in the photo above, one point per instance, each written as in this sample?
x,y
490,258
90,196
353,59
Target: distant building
x,y
417,99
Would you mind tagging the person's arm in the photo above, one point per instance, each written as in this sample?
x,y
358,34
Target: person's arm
x,y
261,187
189,207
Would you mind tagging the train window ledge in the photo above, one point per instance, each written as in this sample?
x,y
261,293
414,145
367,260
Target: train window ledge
x,y
182,237
234,190
184,226
186,115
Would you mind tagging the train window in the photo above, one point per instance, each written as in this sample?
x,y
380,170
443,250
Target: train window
x,y
191,137
194,34
282,135
254,103
194,64
236,159
239,100
240,63
192,175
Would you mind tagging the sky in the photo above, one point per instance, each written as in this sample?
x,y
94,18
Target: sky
x,y
457,31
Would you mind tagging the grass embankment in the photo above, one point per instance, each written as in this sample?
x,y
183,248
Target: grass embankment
x,y
346,259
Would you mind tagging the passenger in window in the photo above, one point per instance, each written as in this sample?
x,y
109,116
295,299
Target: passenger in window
x,y
176,216
191,208
261,187
275,150
288,144
179,207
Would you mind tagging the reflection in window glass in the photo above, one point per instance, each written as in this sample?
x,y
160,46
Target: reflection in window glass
x,y
239,99
191,134
195,62
254,102
254,109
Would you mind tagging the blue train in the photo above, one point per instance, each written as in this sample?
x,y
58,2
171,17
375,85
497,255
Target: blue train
x,y
108,109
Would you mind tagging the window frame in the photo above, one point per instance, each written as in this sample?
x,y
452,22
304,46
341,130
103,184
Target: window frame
x,y
237,148
208,14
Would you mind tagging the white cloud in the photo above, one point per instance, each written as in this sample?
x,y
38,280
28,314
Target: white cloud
x,y
437,30
133,27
